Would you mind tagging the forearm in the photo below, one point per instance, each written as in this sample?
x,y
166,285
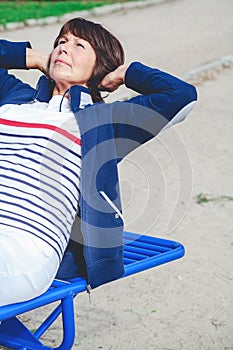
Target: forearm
x,y
13,54
36,59
160,91
114,79
19,55
163,101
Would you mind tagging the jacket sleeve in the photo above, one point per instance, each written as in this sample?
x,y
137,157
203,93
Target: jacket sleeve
x,y
162,101
12,56
159,91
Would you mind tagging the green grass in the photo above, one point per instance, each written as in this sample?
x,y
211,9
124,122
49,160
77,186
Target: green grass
x,y
19,11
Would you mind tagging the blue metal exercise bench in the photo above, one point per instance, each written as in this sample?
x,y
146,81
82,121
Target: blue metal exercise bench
x,y
140,253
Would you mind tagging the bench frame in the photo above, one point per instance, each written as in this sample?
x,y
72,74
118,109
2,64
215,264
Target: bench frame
x,y
140,253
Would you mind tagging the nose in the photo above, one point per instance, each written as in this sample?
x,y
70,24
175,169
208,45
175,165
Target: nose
x,y
63,48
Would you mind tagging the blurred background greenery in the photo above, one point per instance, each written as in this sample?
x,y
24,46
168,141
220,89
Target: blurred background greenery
x,y
19,11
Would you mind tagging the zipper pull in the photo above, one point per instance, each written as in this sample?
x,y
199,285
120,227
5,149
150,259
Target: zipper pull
x,y
89,292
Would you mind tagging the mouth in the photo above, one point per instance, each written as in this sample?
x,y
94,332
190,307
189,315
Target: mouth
x,y
59,61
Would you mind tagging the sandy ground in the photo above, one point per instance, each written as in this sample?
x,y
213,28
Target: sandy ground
x,y
187,304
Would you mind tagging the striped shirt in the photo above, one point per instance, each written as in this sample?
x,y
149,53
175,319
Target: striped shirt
x,y
40,163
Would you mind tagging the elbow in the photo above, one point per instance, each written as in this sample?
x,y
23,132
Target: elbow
x,y
189,100
191,93
187,97
186,93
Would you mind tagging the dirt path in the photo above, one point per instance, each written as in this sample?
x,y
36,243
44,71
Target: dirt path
x,y
187,304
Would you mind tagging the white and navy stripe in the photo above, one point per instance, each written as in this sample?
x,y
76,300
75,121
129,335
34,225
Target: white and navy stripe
x,y
39,175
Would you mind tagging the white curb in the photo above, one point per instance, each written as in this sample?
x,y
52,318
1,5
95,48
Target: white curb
x,y
96,11
209,70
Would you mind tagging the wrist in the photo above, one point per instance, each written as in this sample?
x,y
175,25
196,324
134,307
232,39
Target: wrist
x,y
122,72
36,59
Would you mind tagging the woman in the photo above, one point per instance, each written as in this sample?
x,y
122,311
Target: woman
x,y
60,146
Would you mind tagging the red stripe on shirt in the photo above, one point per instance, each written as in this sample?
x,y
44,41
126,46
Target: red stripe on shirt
x,y
41,126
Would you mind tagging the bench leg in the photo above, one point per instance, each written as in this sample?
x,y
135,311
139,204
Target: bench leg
x,y
14,334
68,323
48,322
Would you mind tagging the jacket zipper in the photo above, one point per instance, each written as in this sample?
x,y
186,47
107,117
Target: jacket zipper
x,y
88,288
114,207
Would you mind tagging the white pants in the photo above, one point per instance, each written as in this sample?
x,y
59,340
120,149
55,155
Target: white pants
x,y
27,267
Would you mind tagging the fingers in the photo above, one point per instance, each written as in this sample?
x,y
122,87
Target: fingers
x,y
113,80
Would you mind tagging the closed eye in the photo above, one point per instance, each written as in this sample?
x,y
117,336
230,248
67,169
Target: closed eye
x,y
61,42
79,44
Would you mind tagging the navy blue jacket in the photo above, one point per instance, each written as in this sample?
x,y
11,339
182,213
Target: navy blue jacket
x,y
108,133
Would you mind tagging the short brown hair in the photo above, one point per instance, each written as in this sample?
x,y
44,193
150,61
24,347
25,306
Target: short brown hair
x,y
108,49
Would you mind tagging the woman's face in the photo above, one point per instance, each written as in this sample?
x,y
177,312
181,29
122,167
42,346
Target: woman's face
x,y
72,62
